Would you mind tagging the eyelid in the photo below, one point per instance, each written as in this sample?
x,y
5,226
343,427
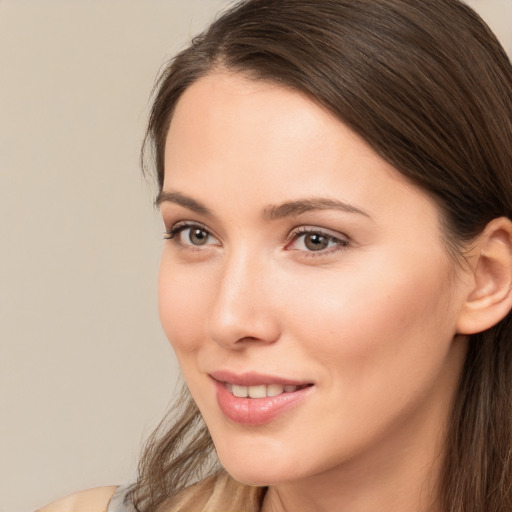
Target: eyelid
x,y
342,240
172,232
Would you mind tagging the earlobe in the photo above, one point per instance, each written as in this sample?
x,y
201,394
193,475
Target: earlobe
x,y
490,295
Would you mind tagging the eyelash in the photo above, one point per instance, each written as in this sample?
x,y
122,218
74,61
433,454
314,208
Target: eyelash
x,y
177,228
341,243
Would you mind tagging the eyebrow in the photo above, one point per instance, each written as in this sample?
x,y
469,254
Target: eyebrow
x,y
273,212
182,200
306,205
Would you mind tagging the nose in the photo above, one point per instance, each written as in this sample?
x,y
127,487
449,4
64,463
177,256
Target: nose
x,y
243,311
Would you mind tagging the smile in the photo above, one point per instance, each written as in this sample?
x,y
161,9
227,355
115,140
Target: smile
x,y
247,400
261,391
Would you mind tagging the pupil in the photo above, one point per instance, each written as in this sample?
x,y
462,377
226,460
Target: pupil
x,y
316,242
198,236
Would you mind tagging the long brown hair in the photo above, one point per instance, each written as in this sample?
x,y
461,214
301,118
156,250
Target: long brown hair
x,y
429,87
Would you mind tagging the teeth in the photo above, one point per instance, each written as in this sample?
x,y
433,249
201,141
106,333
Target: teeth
x,y
260,391
274,390
240,391
257,391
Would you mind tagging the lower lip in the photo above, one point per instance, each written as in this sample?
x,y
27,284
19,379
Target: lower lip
x,y
257,411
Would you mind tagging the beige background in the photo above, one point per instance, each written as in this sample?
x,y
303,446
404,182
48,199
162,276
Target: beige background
x,y
85,372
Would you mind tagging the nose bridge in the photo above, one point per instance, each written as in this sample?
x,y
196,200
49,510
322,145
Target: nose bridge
x,y
242,309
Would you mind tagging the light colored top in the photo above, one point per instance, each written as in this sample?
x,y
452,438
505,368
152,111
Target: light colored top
x,y
116,503
89,500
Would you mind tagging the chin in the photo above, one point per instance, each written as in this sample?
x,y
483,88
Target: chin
x,y
255,476
263,467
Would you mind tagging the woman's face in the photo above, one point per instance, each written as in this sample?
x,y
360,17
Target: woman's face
x,y
305,271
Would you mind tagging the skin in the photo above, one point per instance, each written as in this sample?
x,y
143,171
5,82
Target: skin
x,y
370,320
89,500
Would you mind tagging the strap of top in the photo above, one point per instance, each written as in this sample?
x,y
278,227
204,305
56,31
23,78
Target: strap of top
x,y
116,503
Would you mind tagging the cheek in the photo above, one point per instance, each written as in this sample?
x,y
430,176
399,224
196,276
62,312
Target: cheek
x,y
347,318
379,346
183,298
362,322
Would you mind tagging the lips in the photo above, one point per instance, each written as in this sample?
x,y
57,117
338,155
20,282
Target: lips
x,y
256,399
254,379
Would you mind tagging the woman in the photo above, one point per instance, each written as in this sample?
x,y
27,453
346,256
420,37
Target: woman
x,y
335,181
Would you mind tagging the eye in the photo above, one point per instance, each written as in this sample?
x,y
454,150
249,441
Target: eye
x,y
193,235
312,240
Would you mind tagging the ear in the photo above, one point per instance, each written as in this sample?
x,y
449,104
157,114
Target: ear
x,y
490,291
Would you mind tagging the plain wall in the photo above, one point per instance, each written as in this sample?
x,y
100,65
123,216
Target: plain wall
x,y
85,372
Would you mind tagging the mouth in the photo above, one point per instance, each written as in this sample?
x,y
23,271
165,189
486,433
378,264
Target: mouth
x,y
255,399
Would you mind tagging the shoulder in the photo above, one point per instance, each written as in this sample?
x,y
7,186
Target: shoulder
x,y
90,500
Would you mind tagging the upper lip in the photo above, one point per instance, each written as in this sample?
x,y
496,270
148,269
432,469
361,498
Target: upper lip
x,y
254,379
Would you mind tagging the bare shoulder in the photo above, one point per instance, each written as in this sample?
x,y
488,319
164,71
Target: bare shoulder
x,y
90,500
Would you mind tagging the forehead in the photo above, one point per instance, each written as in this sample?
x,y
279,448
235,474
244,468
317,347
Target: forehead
x,y
223,115
219,102
252,140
